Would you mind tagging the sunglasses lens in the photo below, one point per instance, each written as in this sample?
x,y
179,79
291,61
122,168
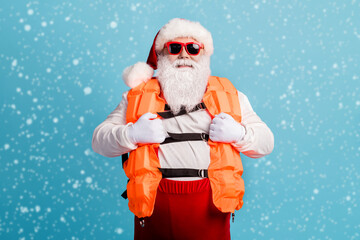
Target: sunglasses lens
x,y
193,48
174,48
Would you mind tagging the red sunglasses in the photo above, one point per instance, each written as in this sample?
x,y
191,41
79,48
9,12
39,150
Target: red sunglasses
x,y
192,48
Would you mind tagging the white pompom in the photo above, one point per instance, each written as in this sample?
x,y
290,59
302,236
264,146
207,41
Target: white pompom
x,y
137,73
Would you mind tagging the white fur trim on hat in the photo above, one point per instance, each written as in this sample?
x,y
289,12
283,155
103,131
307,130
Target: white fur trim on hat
x,y
179,27
137,73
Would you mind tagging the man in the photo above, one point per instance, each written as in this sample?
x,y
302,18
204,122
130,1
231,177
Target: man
x,y
184,166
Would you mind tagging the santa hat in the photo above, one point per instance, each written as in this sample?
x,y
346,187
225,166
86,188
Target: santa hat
x,y
177,27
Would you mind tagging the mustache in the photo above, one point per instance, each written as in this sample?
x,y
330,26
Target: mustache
x,y
186,62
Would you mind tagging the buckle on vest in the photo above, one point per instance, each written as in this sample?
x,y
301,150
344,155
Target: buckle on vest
x,y
201,172
203,136
201,106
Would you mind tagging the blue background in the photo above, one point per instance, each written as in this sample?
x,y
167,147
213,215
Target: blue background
x,y
61,66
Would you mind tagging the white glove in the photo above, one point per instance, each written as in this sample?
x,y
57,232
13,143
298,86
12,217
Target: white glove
x,y
147,129
225,129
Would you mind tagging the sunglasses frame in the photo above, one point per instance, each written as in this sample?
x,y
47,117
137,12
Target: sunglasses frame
x,y
167,45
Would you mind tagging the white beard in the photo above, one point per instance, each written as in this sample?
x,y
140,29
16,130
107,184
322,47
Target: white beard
x,y
183,87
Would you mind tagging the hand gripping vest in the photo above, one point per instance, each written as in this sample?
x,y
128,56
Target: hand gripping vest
x,y
225,169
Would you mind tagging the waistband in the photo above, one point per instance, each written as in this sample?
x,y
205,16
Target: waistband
x,y
184,187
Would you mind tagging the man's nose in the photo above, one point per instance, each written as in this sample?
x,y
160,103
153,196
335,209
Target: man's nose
x,y
183,53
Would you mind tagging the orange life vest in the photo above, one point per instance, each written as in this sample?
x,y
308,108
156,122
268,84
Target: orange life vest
x,y
225,168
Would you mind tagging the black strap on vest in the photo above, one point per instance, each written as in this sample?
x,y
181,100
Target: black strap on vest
x,y
183,172
124,194
124,157
169,114
181,137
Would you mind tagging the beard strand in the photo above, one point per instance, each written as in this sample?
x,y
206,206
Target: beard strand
x,y
183,88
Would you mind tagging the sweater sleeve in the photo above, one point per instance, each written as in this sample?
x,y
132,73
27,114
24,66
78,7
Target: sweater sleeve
x,y
110,137
258,140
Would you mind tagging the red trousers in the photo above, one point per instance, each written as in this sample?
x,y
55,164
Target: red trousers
x,y
184,210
